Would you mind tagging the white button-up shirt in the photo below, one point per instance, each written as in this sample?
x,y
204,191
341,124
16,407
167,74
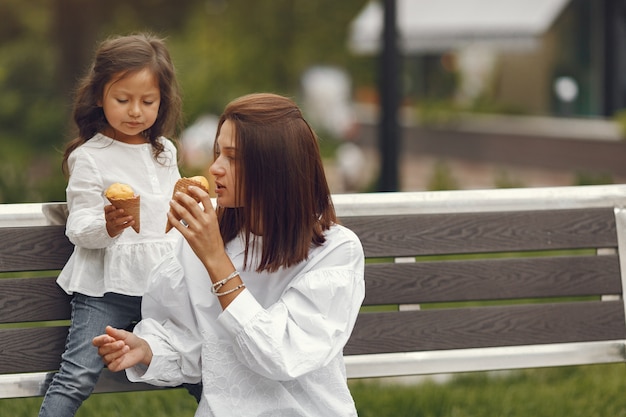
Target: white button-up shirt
x,y
99,263
277,350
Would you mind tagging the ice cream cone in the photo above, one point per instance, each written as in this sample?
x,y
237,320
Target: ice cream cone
x,y
182,185
131,207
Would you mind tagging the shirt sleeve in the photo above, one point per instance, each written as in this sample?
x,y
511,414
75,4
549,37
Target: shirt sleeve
x,y
86,226
172,330
308,326
170,354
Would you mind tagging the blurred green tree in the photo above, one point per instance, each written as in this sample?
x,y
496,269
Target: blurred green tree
x,y
222,49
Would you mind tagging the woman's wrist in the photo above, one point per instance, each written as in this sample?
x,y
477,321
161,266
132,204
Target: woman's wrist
x,y
226,281
147,353
218,266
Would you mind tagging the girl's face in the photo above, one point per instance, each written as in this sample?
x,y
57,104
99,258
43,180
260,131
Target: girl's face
x,y
224,168
131,105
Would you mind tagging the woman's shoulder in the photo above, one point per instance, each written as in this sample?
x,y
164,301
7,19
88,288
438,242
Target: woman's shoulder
x,y
340,236
340,231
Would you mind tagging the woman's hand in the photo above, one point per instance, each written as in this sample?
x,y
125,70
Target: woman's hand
x,y
116,221
121,349
202,232
199,226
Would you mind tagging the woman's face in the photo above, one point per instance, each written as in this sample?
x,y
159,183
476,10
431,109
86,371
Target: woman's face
x,y
224,168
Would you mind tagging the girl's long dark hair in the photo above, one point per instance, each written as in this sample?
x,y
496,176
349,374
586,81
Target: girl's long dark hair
x,y
281,181
118,57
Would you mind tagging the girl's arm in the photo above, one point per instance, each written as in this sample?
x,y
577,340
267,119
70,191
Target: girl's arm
x,y
86,224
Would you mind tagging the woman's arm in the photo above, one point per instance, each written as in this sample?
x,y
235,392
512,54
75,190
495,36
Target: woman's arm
x,y
202,232
312,319
303,331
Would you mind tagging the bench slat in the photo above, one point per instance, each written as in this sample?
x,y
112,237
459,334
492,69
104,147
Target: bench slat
x,y
434,234
478,327
36,384
37,248
31,349
32,299
491,279
484,359
39,349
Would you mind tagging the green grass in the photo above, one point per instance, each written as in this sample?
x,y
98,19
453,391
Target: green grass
x,y
169,403
582,391
589,391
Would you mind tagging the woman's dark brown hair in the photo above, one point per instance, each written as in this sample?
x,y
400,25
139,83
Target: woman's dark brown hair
x,y
280,181
118,57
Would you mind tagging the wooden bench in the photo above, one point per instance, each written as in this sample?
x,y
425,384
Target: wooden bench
x,y
456,281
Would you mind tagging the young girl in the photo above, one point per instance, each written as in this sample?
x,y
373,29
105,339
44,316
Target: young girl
x,y
123,106
260,304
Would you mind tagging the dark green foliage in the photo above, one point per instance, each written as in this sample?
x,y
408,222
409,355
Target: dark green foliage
x,y
222,49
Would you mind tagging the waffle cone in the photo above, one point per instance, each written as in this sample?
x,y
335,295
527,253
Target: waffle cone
x,y
131,207
182,185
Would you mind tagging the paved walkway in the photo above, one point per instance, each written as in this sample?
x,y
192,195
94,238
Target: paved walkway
x,y
418,173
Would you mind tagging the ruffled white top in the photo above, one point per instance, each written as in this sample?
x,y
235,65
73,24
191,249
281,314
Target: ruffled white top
x,y
277,350
99,263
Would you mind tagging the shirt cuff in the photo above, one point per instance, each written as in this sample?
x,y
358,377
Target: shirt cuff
x,y
164,363
239,312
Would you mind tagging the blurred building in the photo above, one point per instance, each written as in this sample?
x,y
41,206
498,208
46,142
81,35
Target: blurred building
x,y
512,54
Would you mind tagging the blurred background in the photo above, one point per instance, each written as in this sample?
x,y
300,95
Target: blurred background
x,y
487,93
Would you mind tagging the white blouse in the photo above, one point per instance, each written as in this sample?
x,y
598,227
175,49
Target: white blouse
x,y
277,350
99,263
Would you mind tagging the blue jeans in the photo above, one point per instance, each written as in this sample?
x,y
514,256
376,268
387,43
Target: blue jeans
x,y
80,363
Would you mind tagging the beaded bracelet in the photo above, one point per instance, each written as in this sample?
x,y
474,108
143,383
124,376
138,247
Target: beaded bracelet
x,y
219,284
238,287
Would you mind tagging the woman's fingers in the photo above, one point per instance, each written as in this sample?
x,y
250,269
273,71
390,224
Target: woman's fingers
x,y
186,210
201,196
102,340
113,351
111,345
116,365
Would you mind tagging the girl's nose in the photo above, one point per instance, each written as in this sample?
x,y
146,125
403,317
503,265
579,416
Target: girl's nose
x,y
134,110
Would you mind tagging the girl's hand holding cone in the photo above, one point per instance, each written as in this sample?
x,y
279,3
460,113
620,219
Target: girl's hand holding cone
x,y
121,196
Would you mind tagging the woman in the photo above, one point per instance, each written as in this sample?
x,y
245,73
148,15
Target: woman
x,y
262,293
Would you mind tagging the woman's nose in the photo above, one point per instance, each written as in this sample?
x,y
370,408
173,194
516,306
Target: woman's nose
x,y
215,169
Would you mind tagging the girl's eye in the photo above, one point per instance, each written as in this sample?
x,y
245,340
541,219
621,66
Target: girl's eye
x,y
120,100
148,103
